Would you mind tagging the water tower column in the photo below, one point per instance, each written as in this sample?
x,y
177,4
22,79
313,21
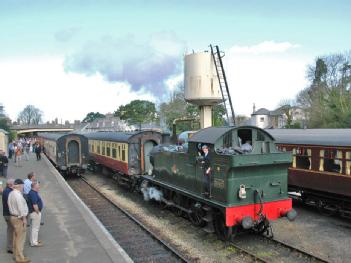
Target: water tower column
x,y
205,116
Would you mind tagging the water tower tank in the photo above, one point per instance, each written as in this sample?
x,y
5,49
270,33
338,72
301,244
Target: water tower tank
x,y
200,80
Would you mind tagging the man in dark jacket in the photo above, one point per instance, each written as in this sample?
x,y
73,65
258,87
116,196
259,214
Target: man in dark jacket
x,y
4,162
38,151
206,162
7,215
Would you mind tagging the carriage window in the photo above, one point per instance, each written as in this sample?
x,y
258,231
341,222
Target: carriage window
x,y
92,148
302,158
330,160
348,163
123,155
114,155
119,151
108,151
282,149
103,148
98,148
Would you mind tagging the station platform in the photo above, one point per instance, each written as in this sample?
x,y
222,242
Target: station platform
x,y
71,232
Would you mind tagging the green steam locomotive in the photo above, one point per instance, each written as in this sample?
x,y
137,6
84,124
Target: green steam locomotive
x,y
247,186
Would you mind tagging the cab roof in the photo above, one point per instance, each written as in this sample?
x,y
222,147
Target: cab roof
x,y
211,135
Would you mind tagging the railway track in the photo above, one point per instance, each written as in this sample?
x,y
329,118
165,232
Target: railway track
x,y
139,242
271,250
274,250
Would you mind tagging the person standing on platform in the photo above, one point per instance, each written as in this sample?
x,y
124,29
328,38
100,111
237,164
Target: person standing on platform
x,y
1,163
11,150
6,214
19,211
4,163
38,151
18,153
28,183
26,150
35,206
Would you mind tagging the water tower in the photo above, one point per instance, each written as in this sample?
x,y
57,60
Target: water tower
x,y
201,84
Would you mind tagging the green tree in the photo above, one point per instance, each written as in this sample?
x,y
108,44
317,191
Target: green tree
x,y
218,115
5,123
137,112
327,101
30,115
91,116
177,108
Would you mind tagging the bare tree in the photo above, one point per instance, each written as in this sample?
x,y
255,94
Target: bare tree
x,y
30,115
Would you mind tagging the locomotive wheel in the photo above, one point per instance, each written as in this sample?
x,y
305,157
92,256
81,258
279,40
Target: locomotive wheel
x,y
177,199
223,232
195,217
325,209
119,179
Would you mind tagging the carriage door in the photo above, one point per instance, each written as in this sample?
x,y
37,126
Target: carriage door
x,y
148,145
73,152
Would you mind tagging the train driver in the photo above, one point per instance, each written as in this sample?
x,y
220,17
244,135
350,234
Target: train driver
x,y
246,147
206,162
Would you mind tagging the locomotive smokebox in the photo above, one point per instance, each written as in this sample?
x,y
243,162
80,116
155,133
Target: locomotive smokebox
x,y
201,84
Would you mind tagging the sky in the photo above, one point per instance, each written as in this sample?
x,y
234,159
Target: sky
x,y
71,57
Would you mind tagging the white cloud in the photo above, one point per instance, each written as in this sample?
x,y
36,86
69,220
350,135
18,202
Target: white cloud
x,y
264,74
264,47
44,84
174,82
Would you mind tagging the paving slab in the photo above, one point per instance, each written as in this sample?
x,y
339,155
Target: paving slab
x,y
71,233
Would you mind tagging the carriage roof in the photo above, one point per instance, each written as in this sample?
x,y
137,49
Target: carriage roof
x,y
115,136
55,136
323,137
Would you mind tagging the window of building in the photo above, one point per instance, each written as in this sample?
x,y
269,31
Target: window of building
x,y
262,119
302,158
330,160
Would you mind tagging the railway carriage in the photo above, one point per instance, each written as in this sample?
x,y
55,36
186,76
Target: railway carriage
x,y
321,167
125,153
248,188
69,152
